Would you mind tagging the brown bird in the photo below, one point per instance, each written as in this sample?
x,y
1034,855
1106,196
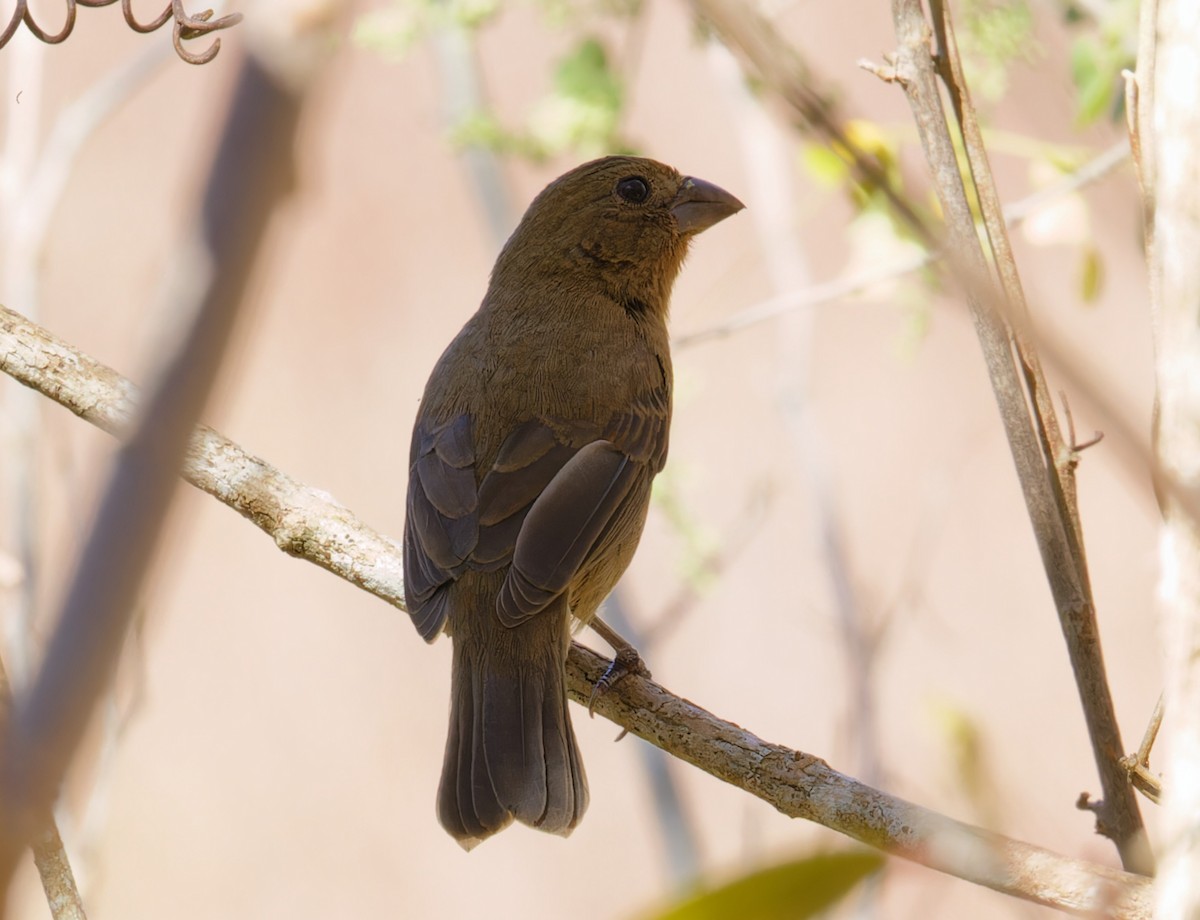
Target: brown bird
x,y
540,431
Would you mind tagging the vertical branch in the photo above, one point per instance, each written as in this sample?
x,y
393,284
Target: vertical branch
x,y
995,298
1169,129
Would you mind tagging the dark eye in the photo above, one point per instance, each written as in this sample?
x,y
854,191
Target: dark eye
x,y
633,189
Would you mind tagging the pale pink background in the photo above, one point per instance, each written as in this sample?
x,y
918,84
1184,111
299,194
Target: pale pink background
x,y
283,755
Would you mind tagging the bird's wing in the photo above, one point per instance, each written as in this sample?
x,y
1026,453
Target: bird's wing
x,y
441,526
562,528
573,509
543,506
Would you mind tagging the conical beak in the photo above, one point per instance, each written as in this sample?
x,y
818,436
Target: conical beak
x,y
701,204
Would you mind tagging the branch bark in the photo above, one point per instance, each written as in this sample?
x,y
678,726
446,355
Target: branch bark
x,y
310,525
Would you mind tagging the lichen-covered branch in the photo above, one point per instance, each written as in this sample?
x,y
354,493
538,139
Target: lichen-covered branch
x,y
803,786
302,521
312,526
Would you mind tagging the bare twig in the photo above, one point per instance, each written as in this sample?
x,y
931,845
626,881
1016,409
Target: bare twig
x,y
49,854
797,784
1015,214
1138,763
710,566
768,57
1042,461
1118,818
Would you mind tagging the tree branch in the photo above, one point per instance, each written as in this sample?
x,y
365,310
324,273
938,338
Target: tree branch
x,y
1044,464
310,525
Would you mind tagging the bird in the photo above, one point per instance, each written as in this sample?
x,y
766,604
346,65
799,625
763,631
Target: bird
x,y
533,450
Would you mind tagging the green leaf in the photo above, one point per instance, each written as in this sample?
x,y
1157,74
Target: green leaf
x,y
392,30
481,129
792,891
1093,78
995,34
1091,275
824,165
585,108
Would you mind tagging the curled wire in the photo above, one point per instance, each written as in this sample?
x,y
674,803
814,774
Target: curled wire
x,y
186,27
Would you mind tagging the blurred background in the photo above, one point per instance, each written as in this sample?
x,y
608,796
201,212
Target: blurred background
x,y
838,557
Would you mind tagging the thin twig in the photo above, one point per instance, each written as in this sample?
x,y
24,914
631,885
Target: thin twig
x,y
770,59
816,295
711,565
1138,763
49,854
797,784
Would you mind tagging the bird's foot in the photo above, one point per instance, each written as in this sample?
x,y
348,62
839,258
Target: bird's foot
x,y
625,662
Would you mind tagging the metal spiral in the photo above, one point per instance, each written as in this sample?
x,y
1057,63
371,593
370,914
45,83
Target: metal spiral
x,y
186,27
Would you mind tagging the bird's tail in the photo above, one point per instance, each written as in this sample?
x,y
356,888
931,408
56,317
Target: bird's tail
x,y
511,750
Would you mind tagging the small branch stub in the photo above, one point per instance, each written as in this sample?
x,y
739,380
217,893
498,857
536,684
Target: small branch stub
x,y
887,71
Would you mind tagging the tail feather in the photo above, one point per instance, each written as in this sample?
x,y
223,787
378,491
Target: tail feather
x,y
474,822
565,801
511,750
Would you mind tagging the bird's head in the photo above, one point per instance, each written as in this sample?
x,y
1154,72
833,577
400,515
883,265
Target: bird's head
x,y
620,223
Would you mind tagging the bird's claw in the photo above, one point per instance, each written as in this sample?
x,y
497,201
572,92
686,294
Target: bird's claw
x,y
627,661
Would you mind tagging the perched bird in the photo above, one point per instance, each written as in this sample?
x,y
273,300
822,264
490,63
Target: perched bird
x,y
541,428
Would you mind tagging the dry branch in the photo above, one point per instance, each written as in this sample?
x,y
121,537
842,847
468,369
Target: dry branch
x,y
1044,464
312,526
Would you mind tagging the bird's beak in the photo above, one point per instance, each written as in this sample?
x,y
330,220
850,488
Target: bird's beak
x,y
701,204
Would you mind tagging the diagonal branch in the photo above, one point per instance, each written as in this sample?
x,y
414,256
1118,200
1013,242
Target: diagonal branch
x,y
310,525
47,722
1044,462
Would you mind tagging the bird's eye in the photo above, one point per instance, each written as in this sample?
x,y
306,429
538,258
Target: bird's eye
x,y
633,189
